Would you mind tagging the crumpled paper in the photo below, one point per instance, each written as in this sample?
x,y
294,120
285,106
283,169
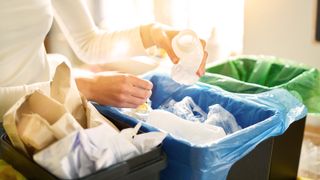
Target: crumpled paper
x,y
66,135
85,152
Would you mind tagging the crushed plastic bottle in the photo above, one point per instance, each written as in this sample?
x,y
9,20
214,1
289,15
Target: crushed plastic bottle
x,y
187,46
218,116
186,109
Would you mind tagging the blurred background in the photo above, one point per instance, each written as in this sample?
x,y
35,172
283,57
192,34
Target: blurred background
x,y
219,22
282,28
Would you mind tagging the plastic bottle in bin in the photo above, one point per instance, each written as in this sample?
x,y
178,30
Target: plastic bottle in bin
x,y
187,46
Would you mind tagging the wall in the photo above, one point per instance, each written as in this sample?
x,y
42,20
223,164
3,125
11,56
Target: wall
x,y
284,28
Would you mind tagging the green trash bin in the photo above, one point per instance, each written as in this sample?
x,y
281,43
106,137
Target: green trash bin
x,y
255,74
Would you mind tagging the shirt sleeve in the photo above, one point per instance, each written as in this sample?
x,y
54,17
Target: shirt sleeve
x,y
10,95
93,45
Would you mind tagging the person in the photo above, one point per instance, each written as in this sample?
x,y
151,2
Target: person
x,y
25,66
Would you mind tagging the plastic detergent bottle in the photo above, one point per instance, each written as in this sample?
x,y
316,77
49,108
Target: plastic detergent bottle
x,y
187,46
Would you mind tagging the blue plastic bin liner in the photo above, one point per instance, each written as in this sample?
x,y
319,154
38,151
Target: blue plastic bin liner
x,y
260,115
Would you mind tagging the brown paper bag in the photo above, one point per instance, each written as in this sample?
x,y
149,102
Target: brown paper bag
x,y
42,111
35,131
65,91
56,116
94,117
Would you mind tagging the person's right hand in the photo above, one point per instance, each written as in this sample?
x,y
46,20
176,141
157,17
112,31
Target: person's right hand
x,y
161,36
115,89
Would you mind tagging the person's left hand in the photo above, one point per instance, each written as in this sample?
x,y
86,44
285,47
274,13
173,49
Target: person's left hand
x,y
115,89
161,36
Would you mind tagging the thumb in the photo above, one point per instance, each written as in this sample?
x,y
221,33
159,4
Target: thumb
x,y
162,39
167,46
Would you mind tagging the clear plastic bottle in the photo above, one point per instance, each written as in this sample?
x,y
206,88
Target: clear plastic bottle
x,y
187,46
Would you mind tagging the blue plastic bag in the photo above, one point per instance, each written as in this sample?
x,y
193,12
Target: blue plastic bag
x,y
260,115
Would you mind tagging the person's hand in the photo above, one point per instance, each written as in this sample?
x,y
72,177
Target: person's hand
x,y
161,36
115,89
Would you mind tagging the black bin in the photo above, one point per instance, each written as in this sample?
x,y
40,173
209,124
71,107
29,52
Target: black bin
x,y
274,158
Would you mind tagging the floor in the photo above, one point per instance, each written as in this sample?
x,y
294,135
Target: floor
x,y
309,167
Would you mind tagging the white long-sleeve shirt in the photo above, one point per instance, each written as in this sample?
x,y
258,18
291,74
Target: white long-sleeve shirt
x,y
23,27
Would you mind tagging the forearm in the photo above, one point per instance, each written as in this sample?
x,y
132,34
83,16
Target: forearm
x,y
91,44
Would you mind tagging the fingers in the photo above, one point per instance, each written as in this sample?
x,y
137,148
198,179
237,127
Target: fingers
x,y
140,83
169,36
130,97
140,93
174,58
162,38
167,46
202,66
128,103
203,43
136,101
133,98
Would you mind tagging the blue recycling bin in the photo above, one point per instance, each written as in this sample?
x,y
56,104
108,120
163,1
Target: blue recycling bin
x,y
262,117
